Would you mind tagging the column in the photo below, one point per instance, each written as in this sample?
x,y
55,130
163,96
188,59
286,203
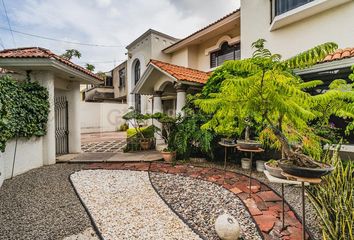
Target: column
x,y
46,79
181,99
157,107
73,97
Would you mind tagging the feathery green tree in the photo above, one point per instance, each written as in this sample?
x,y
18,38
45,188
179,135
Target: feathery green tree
x,y
265,89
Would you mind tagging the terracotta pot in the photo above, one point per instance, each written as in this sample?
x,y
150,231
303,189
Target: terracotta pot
x,y
145,144
169,156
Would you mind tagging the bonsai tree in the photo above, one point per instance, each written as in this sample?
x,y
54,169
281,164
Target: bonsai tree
x,y
266,89
137,120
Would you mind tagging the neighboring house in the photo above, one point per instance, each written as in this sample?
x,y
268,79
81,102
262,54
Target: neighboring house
x,y
113,89
62,78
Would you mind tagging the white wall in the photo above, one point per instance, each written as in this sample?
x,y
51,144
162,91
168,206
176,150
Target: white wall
x,y
29,155
101,117
333,25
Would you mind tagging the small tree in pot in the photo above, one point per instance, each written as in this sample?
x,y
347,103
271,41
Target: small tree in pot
x,y
266,88
137,120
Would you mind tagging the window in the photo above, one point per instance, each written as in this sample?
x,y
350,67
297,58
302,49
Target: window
x,y
122,78
136,79
225,53
137,71
109,81
283,6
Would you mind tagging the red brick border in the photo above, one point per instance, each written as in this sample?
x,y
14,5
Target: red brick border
x,y
264,205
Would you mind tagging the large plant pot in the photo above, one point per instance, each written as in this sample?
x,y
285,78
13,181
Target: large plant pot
x,y
249,144
274,171
304,171
145,144
168,156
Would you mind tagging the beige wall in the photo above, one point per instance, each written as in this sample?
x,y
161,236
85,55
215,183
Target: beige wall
x,y
335,25
195,56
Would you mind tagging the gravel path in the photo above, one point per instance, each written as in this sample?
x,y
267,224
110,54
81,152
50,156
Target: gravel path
x,y
124,205
41,204
200,203
292,196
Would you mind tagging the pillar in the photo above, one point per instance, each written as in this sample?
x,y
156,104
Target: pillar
x,y
73,97
181,99
46,79
157,107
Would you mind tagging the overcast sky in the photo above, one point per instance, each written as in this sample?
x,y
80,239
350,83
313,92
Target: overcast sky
x,y
106,22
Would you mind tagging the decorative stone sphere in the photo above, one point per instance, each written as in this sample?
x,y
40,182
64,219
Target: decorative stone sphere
x,y
227,227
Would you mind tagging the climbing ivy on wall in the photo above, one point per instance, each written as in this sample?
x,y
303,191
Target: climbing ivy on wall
x,y
24,109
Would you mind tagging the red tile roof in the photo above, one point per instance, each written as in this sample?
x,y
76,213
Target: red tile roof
x,y
182,73
36,52
211,24
339,54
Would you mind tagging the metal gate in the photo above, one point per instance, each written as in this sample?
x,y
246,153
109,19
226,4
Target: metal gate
x,y
61,126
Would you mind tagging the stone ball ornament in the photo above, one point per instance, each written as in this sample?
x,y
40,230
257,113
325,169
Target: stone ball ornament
x,y
227,227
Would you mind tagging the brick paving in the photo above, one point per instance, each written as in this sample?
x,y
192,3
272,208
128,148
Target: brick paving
x,y
264,204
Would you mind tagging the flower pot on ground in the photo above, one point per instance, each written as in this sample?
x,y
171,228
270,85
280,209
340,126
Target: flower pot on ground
x,y
289,167
246,163
273,168
260,165
168,155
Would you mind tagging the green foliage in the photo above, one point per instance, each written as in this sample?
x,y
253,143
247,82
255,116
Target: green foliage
x,y
148,132
187,136
334,201
24,109
265,91
137,120
70,53
90,67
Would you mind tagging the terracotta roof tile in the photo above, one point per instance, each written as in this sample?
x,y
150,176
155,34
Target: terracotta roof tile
x,y
36,52
339,54
182,73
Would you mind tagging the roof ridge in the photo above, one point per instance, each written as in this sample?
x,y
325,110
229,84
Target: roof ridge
x,y
193,69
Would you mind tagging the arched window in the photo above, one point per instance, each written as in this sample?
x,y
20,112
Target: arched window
x,y
225,53
137,71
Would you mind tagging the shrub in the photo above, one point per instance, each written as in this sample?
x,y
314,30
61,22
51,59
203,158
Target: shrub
x,y
148,132
334,201
24,109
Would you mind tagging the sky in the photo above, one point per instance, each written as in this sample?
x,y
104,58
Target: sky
x,y
105,22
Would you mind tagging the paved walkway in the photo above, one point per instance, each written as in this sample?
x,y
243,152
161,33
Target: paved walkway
x,y
141,156
264,205
111,142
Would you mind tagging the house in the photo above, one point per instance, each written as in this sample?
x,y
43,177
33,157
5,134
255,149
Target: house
x,y
62,79
113,88
163,69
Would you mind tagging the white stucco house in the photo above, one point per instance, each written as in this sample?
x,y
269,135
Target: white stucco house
x,y
161,69
62,78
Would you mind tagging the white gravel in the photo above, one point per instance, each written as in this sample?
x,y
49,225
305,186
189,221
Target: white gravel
x,y
124,205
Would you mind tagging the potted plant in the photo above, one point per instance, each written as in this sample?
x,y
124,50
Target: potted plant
x,y
137,120
267,89
272,166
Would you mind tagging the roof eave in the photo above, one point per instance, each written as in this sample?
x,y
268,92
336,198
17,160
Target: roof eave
x,y
185,41
47,63
326,66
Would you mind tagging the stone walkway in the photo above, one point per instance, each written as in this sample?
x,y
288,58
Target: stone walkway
x,y
264,205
